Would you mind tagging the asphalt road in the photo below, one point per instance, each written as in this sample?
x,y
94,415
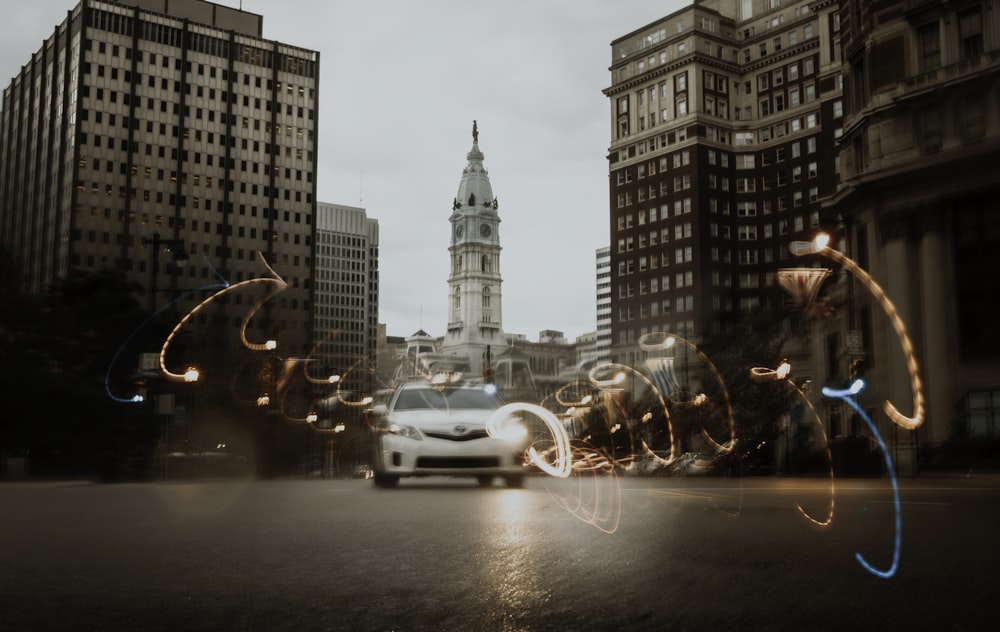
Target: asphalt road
x,y
442,554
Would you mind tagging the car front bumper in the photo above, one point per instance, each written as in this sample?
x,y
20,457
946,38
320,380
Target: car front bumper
x,y
401,456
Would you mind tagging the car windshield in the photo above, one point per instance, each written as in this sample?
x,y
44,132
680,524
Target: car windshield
x,y
433,399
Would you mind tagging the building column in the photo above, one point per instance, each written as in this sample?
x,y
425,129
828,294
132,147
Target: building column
x,y
899,276
934,342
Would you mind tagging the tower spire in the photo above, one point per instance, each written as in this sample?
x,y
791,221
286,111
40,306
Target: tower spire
x,y
474,298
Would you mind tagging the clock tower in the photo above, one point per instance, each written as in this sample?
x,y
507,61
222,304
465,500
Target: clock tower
x,y
474,298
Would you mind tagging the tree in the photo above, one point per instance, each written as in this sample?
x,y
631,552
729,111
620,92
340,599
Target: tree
x,y
55,352
755,341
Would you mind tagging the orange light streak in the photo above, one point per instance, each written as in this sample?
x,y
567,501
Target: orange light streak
x,y
820,245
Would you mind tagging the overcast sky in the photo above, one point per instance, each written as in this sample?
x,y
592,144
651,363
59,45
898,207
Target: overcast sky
x,y
401,82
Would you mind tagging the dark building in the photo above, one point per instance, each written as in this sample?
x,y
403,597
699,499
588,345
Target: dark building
x,y
918,192
741,126
146,126
724,116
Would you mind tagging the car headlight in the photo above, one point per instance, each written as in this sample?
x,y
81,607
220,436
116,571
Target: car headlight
x,y
403,431
508,429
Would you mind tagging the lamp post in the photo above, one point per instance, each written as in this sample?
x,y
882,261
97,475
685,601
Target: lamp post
x,y
173,246
176,248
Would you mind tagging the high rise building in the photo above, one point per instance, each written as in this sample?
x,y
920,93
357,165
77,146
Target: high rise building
x,y
722,119
602,343
150,125
475,315
346,287
740,126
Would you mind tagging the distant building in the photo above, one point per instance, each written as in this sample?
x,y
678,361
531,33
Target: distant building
x,y
475,313
602,342
346,292
142,129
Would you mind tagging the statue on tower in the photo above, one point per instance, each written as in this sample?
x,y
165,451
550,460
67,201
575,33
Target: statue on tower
x,y
475,132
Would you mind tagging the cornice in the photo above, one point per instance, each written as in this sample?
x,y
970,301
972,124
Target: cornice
x,y
708,60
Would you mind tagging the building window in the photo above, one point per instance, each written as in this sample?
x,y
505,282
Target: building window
x,y
973,121
929,43
930,128
970,34
977,248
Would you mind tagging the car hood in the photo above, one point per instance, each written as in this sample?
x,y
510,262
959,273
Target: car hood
x,y
440,419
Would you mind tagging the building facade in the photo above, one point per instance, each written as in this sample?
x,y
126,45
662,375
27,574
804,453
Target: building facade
x,y
722,119
148,126
918,190
346,291
741,126
602,340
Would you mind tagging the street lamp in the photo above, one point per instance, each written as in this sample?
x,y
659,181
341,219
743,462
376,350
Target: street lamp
x,y
173,246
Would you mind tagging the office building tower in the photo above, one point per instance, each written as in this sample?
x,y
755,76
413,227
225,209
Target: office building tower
x,y
150,126
345,305
602,342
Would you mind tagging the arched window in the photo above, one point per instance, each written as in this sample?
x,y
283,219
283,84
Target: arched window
x,y
486,297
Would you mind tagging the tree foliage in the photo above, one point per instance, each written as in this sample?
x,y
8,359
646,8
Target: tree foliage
x,y
755,341
55,351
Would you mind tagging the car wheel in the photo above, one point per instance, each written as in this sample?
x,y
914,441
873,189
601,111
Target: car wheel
x,y
485,481
385,481
515,481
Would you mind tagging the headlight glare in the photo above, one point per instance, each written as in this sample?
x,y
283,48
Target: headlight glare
x,y
404,431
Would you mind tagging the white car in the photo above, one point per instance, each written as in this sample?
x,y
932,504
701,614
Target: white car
x,y
428,430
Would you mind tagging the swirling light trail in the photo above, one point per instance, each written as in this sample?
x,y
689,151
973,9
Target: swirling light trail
x,y
268,345
847,396
274,279
114,360
601,509
667,341
562,465
621,372
763,374
820,245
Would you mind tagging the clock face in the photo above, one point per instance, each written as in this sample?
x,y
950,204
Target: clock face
x,y
459,230
485,230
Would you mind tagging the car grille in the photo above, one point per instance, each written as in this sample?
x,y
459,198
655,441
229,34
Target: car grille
x,y
472,434
457,462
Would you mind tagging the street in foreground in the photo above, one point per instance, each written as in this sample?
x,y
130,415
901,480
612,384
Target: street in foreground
x,y
444,554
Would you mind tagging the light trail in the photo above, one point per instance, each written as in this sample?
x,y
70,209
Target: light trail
x,y
135,399
820,245
621,371
763,374
590,502
847,396
562,464
669,340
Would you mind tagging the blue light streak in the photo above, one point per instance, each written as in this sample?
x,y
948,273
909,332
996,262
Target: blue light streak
x,y
847,396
